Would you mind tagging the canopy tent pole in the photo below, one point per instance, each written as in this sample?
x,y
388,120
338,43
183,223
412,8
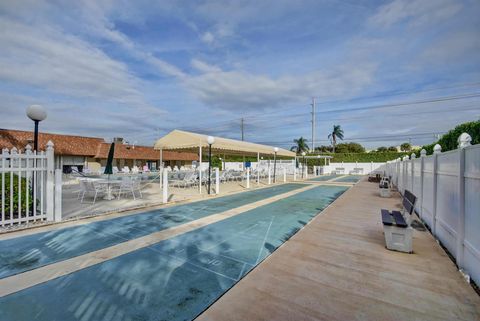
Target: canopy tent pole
x,y
160,167
258,168
200,170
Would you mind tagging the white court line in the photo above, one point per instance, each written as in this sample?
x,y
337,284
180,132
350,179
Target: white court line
x,y
264,240
188,261
49,272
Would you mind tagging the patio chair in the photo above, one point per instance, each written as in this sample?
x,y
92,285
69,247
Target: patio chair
x,y
89,187
130,185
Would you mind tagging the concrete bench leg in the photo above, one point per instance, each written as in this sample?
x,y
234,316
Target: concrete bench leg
x,y
398,239
385,192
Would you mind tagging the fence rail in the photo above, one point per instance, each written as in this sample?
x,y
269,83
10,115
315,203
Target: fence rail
x,y
26,190
448,188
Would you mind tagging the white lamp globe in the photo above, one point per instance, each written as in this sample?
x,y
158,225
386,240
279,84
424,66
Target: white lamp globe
x,y
275,149
303,154
210,140
36,113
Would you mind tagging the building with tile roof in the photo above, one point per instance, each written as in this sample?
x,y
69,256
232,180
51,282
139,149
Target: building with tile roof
x,y
92,152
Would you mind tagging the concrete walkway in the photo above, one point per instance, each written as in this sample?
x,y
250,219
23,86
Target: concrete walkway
x,y
337,268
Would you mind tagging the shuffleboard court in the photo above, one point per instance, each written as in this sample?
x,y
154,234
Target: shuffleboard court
x,y
175,279
323,178
28,252
349,179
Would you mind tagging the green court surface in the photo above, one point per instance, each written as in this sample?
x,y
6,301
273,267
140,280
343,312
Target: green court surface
x,y
175,279
349,179
28,252
323,178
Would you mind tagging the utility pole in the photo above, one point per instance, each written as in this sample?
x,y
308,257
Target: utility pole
x,y
313,124
242,127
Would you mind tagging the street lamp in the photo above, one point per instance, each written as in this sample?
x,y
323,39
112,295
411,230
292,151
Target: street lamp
x,y
275,164
303,169
210,141
36,113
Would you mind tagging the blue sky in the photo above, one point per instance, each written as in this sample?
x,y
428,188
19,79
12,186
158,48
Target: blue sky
x,y
138,69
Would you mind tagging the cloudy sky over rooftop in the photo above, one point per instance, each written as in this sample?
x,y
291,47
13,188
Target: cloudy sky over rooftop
x,y
139,69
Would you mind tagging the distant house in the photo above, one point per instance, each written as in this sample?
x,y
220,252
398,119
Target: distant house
x,y
92,152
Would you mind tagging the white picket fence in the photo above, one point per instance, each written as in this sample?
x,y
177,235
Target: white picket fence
x,y
448,189
28,187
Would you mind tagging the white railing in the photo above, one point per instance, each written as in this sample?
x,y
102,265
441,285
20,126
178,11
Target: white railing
x,y
447,186
27,186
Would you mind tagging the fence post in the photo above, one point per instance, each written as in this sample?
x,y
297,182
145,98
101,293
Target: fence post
x,y
58,195
412,157
217,181
295,173
248,177
284,174
165,186
423,153
463,141
269,176
50,193
437,149
4,166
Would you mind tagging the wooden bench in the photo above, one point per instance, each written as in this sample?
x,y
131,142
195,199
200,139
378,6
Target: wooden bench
x,y
396,225
339,170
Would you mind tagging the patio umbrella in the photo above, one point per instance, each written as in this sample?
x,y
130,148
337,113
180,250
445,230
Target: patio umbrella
x,y
109,170
109,166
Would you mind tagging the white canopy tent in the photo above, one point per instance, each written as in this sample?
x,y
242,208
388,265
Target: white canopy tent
x,y
188,141
183,140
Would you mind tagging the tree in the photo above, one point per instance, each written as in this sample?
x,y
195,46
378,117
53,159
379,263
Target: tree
x,y
349,148
337,132
323,149
406,147
382,149
449,141
392,149
301,146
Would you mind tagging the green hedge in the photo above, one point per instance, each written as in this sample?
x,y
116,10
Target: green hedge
x,y
16,196
449,141
365,157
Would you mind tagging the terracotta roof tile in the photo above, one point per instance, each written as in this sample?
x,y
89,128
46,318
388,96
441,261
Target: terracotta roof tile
x,y
85,146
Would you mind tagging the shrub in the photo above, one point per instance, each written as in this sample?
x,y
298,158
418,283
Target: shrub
x,y
449,141
16,196
378,157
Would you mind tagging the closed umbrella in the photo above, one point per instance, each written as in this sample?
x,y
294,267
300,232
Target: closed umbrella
x,y
109,170
109,167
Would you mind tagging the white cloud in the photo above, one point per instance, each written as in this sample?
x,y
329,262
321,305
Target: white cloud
x,y
208,38
239,89
47,58
204,67
415,12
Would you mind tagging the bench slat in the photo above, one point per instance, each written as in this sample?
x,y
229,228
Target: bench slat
x,y
399,220
387,219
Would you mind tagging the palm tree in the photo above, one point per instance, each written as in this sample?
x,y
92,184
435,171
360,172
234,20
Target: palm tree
x,y
336,133
301,146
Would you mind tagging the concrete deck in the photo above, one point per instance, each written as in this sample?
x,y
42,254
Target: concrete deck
x,y
337,268
152,196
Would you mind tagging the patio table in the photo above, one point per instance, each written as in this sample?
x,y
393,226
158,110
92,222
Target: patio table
x,y
110,184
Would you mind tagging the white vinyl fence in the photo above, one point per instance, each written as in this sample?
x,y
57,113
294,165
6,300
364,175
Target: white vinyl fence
x,y
447,186
359,168
27,190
